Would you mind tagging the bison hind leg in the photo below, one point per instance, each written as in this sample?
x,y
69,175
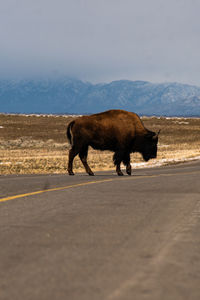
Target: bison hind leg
x,y
83,157
72,153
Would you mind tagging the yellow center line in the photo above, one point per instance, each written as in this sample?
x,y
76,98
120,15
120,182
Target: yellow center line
x,y
52,189
93,182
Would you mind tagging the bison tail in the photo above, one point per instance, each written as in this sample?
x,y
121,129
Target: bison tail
x,y
69,131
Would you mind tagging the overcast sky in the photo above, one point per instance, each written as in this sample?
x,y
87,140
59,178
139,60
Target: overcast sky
x,y
101,40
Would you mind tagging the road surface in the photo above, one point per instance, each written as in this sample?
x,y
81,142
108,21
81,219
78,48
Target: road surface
x,y
103,237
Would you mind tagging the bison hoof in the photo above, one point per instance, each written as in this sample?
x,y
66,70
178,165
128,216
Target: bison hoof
x,y
91,173
71,173
120,174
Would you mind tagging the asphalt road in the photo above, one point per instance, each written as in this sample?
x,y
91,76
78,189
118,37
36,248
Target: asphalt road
x,y
101,238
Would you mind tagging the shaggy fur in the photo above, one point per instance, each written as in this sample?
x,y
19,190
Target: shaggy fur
x,y
116,130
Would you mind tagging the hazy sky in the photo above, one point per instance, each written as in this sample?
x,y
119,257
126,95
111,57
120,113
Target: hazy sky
x,y
101,40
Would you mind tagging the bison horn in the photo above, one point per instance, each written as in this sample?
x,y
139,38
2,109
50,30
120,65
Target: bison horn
x,y
156,135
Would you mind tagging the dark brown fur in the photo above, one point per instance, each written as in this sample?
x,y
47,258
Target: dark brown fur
x,y
116,130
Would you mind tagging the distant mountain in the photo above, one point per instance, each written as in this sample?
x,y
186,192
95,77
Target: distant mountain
x,y
64,95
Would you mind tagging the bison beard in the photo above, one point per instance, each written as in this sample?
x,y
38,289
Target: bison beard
x,y
116,130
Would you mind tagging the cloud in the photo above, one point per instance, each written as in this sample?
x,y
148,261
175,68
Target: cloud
x,y
101,40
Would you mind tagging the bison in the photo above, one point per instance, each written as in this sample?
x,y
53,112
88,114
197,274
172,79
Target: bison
x,y
119,131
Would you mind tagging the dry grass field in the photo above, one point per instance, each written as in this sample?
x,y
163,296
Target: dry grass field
x,y
38,144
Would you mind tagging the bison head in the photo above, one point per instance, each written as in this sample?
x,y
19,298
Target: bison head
x,y
149,145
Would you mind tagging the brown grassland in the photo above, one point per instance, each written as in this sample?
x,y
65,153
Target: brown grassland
x,y
38,144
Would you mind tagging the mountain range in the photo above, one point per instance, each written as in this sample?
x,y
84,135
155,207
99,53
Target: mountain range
x,y
73,96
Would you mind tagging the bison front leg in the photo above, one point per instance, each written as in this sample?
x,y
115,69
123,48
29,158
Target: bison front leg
x,y
128,169
126,161
83,158
117,158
